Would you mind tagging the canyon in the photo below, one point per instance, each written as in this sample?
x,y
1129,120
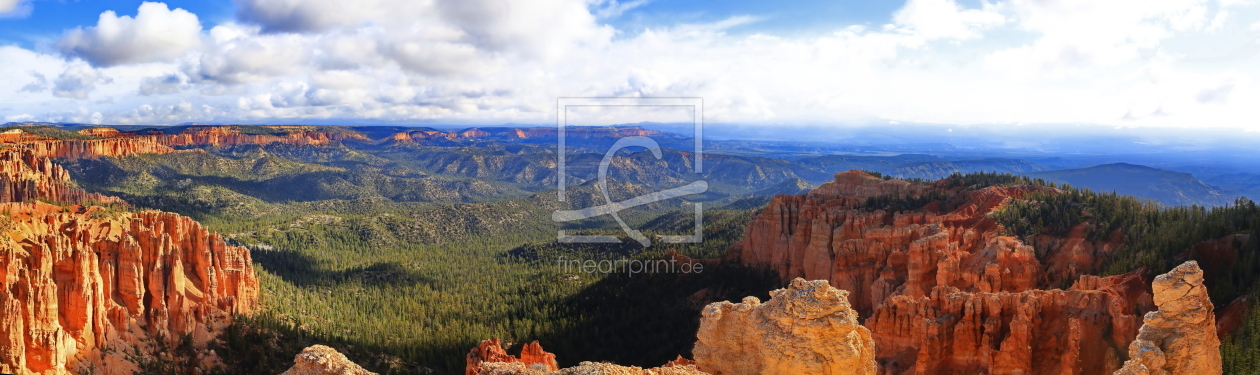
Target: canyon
x,y
875,288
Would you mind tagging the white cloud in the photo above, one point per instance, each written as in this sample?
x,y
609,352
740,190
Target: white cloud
x,y
483,61
155,34
936,19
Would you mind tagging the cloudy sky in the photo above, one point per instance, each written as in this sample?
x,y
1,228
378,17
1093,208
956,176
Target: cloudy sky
x,y
1113,63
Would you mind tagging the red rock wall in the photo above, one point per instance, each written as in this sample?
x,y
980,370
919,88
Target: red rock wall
x,y
80,287
945,292
24,175
77,281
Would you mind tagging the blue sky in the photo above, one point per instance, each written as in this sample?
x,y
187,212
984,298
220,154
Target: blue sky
x,y
1118,63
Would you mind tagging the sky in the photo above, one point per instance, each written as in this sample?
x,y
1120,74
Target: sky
x,y
1185,64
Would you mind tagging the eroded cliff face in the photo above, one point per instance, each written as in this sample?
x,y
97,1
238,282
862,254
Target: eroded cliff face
x,y
1083,330
941,290
1179,338
806,328
80,284
80,287
24,176
232,136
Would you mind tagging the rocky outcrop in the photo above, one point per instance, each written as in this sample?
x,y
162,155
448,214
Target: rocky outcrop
x,y
807,328
940,287
489,358
323,360
1179,338
19,135
25,176
532,357
79,285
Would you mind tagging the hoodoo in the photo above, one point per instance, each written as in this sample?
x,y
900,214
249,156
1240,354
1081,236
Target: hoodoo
x,y
1180,338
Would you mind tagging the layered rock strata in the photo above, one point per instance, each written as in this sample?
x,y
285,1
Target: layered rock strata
x,y
1179,338
806,328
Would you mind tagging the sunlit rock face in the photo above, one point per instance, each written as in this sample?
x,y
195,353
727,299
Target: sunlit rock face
x,y
806,328
82,286
1179,338
323,360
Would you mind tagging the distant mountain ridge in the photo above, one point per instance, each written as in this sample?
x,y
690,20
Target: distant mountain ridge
x,y
1168,187
941,169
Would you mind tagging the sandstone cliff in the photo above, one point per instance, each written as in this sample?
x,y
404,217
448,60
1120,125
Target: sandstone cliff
x,y
82,284
1179,338
25,176
322,360
231,136
807,328
80,287
941,289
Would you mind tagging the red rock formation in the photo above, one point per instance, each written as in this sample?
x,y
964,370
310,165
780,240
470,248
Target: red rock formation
x,y
103,132
1078,331
80,287
26,176
1179,338
19,135
81,284
93,148
806,328
231,136
944,291
532,356
489,358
